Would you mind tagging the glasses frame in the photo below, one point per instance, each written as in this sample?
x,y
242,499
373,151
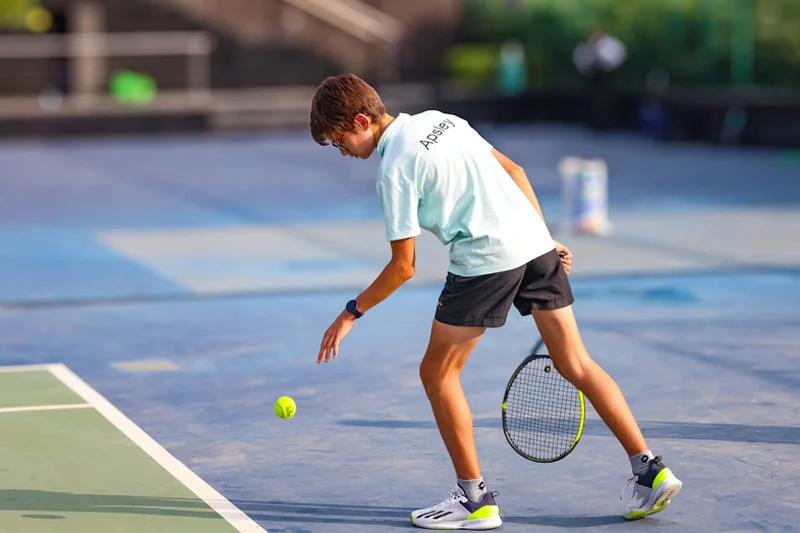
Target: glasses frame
x,y
338,144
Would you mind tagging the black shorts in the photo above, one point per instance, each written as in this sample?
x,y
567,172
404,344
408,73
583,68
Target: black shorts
x,y
541,284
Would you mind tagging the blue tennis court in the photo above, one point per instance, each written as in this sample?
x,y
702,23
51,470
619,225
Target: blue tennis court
x,y
182,284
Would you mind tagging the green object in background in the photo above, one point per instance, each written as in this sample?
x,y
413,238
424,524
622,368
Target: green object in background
x,y
472,63
12,13
699,42
742,42
512,69
133,88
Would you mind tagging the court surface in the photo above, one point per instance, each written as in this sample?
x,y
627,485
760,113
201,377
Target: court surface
x,y
157,296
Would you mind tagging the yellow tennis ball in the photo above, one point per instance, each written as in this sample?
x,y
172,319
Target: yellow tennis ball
x,y
285,407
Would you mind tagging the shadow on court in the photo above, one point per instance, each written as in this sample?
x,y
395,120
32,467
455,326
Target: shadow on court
x,y
68,502
367,515
656,430
287,512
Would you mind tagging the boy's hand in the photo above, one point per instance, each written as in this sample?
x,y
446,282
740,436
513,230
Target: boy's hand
x,y
566,256
334,335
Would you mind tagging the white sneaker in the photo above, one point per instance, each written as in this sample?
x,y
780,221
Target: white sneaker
x,y
458,512
652,491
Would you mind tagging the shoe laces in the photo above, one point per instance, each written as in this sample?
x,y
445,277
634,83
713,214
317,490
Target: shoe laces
x,y
656,460
456,495
628,484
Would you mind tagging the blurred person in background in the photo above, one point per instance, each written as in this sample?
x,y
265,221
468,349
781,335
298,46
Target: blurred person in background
x,y
597,59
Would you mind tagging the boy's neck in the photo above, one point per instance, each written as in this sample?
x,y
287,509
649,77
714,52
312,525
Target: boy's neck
x,y
380,127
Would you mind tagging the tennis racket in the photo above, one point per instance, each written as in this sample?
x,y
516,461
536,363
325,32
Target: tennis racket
x,y
543,413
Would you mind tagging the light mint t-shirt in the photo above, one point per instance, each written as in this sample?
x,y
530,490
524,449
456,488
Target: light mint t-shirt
x,y
438,173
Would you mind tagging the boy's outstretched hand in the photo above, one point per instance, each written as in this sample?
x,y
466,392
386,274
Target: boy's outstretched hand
x,y
334,335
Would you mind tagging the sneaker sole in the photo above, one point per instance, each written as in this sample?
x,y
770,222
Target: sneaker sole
x,y
662,499
481,524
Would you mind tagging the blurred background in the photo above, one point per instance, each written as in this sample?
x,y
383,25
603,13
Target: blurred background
x,y
170,232
706,70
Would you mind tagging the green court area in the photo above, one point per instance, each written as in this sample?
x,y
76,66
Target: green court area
x,y
71,462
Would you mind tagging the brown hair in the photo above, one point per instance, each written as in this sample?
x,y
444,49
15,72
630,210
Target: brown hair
x,y
337,102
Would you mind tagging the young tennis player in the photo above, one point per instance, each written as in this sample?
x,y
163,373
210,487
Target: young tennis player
x,y
437,173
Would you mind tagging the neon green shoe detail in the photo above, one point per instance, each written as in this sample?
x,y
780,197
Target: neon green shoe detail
x,y
636,515
664,474
487,511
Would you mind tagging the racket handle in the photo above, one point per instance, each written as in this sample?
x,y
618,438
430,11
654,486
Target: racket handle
x,y
537,347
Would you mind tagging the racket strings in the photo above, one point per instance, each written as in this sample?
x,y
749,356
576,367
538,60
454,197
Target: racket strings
x,y
543,411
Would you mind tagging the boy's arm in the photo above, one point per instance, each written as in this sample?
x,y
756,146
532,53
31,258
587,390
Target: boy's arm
x,y
399,270
517,173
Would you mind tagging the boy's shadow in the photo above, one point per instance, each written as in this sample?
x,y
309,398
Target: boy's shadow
x,y
281,512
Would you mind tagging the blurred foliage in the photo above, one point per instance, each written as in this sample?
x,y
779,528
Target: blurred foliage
x,y
12,13
690,39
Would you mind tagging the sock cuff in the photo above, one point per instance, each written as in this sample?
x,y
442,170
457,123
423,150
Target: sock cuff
x,y
473,488
640,461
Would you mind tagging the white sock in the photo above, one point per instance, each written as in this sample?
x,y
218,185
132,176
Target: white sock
x,y
640,463
473,488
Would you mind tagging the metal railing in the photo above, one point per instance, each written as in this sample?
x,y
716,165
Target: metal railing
x,y
46,74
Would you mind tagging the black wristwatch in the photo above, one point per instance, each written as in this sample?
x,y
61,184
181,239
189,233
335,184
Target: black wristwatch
x,y
352,308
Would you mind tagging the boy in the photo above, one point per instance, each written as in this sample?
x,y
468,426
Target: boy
x,y
438,173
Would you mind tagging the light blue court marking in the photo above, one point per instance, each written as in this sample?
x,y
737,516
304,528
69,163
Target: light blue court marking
x,y
51,264
146,365
272,257
349,255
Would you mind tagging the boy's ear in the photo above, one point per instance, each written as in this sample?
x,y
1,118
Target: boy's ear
x,y
362,121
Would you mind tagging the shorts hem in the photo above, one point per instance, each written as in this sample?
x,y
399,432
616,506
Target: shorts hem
x,y
490,322
550,305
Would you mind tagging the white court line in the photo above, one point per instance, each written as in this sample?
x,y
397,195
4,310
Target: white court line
x,y
30,408
232,514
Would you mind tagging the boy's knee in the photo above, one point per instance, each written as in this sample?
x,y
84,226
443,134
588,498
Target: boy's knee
x,y
574,367
436,376
429,373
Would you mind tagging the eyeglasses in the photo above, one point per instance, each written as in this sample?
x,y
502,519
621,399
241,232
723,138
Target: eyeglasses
x,y
338,144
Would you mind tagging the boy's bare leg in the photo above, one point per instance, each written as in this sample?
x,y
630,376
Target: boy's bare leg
x,y
471,506
440,371
655,485
560,334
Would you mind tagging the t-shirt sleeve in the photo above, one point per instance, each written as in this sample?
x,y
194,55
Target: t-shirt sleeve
x,y
399,198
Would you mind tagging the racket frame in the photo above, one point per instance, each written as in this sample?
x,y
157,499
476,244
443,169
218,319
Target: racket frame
x,y
531,357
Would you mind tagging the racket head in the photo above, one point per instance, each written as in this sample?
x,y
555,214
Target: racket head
x,y
543,413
